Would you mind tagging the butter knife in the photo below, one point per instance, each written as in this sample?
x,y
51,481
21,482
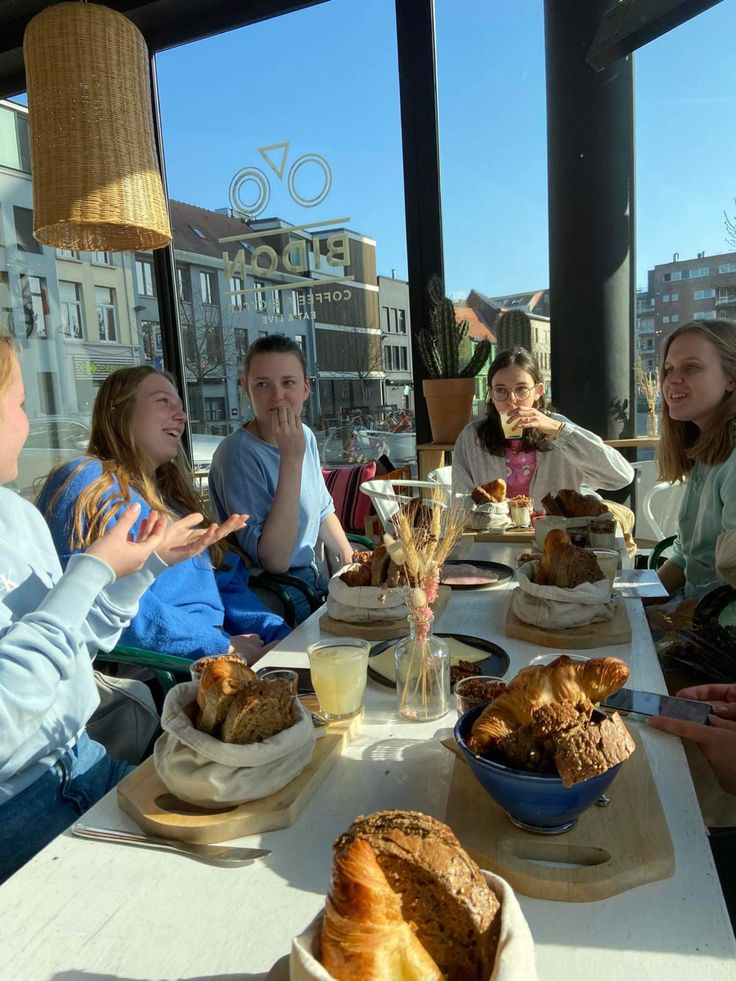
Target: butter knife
x,y
225,854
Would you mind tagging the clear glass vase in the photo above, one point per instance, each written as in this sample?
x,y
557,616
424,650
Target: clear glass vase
x,y
422,671
652,424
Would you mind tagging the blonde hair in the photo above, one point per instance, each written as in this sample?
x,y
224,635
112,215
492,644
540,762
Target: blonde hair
x,y
682,443
8,359
112,441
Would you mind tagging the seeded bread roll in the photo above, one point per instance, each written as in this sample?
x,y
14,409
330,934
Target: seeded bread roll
x,y
493,492
379,566
586,752
443,892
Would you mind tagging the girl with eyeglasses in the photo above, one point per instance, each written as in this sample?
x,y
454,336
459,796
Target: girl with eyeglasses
x,y
548,452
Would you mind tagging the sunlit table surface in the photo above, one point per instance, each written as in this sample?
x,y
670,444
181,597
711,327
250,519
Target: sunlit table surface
x,y
96,910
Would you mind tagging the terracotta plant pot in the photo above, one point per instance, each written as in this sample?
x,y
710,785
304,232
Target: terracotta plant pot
x,y
449,405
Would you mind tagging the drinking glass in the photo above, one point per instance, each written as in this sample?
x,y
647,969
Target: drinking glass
x,y
339,671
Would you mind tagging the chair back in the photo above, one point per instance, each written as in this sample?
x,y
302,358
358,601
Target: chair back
x,y
389,495
441,475
661,507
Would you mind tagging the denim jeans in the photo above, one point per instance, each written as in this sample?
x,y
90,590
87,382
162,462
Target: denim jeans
x,y
33,818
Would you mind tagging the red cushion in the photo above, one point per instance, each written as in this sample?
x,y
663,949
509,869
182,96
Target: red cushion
x,y
351,506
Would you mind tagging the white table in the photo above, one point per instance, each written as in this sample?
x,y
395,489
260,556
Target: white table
x,y
97,910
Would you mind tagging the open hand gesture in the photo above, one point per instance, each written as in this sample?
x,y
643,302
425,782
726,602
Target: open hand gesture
x,y
183,539
123,552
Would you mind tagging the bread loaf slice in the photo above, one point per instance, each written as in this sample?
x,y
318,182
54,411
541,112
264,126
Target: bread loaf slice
x,y
587,752
443,893
258,711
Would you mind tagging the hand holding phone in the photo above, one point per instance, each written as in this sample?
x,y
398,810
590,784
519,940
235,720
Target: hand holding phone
x,y
643,704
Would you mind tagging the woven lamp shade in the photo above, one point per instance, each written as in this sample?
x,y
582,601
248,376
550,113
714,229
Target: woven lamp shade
x,y
96,179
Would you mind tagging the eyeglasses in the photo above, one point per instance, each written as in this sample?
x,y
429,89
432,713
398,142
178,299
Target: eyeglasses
x,y
502,394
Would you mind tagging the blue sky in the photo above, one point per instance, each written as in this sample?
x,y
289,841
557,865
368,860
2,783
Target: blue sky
x,y
326,80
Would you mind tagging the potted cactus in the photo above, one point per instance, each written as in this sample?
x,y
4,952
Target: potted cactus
x,y
449,388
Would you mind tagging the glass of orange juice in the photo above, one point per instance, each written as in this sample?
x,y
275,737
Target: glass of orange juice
x,y
339,669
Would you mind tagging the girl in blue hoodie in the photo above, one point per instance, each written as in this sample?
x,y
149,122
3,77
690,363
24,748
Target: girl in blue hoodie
x,y
202,607
51,627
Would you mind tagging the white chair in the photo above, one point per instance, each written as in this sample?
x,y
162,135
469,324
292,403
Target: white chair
x,y
441,475
389,495
661,507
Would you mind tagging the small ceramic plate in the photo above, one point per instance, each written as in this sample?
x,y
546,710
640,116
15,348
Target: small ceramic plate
x,y
474,574
490,658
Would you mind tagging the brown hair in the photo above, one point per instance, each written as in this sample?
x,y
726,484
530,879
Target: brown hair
x,y
112,441
273,344
490,434
682,443
8,358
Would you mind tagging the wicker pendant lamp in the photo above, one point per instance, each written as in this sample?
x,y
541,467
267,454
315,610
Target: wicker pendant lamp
x,y
96,179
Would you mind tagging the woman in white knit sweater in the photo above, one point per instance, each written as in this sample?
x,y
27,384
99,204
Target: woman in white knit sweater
x,y
551,453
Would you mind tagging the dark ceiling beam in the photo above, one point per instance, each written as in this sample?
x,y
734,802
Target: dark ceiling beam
x,y
163,23
631,24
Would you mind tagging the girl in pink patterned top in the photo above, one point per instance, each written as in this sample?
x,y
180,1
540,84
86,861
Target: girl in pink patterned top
x,y
534,450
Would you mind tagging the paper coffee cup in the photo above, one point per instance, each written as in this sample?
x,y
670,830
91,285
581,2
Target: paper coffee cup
x,y
508,430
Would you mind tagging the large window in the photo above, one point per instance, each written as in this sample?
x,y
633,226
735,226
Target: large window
x,y
24,238
72,318
106,313
208,287
35,306
145,280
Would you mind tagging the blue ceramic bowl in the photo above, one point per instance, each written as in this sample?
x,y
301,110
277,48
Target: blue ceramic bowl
x,y
535,801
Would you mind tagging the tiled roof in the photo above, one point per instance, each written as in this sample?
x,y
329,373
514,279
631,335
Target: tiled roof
x,y
186,217
477,328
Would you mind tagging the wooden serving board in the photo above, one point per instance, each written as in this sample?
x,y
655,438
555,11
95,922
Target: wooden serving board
x,y
145,798
611,849
603,634
379,629
506,535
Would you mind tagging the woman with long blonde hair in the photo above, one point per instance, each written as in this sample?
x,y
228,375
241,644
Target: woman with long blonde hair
x,y
697,442
135,454
52,624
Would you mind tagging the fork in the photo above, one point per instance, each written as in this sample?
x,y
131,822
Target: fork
x,y
223,854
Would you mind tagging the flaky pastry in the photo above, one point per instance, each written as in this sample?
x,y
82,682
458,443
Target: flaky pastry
x,y
364,934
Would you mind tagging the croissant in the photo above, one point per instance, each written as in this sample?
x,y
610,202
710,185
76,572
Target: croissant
x,y
562,681
494,491
364,934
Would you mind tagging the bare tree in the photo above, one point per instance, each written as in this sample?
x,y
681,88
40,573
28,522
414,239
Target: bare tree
x,y
647,384
211,352
730,224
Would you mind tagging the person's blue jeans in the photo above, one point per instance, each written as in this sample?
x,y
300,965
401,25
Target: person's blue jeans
x,y
33,818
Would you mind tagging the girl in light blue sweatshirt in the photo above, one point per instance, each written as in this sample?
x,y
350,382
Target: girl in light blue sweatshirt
x,y
51,626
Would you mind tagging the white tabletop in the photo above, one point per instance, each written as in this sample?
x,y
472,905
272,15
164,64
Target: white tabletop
x,y
94,910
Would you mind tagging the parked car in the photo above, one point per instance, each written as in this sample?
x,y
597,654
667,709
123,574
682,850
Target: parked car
x,y
51,439
203,449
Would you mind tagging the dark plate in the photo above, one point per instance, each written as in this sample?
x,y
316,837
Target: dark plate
x,y
504,572
496,664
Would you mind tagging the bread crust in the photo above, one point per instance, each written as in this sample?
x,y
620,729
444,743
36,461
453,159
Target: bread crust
x,y
494,492
443,892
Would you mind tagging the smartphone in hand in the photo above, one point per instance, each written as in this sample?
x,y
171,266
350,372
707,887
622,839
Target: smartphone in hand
x,y
645,703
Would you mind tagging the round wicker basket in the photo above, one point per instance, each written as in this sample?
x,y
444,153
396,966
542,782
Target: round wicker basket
x,y
96,179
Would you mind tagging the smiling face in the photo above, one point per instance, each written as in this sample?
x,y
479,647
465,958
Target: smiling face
x,y
13,425
517,388
276,379
694,381
158,420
